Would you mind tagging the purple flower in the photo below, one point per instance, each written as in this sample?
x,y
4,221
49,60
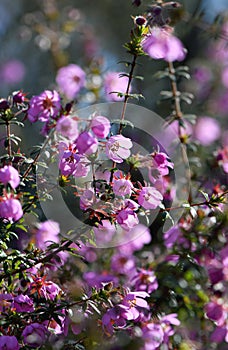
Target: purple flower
x,y
137,237
19,97
134,301
122,187
9,174
123,264
72,163
86,143
67,127
11,209
127,219
12,72
44,106
8,343
113,317
149,198
95,279
206,130
118,148
161,163
219,335
46,233
100,126
35,335
87,199
70,79
215,312
145,280
5,301
113,84
22,303
161,44
104,232
153,336
45,289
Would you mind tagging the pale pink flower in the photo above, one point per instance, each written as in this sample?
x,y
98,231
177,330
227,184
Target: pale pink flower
x,y
100,126
149,198
67,127
162,44
118,148
70,79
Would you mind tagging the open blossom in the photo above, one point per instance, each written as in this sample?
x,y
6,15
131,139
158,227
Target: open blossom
x,y
153,336
206,130
71,79
46,233
162,44
87,199
44,106
100,126
67,127
222,158
118,148
122,187
45,289
8,343
145,280
35,335
22,303
149,198
127,219
9,174
11,209
162,163
72,163
12,72
86,143
113,84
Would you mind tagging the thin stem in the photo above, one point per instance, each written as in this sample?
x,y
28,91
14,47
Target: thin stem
x,y
196,204
127,91
42,260
34,160
133,64
8,139
179,115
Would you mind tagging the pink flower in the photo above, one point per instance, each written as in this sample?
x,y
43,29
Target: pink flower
x,y
149,198
127,219
86,143
67,127
145,280
11,209
222,158
70,79
118,148
72,163
9,174
12,72
114,83
162,163
122,187
35,335
162,44
44,106
100,126
87,199
8,343
47,232
206,130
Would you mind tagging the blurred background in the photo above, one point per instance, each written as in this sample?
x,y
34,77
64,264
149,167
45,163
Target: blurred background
x,y
40,36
